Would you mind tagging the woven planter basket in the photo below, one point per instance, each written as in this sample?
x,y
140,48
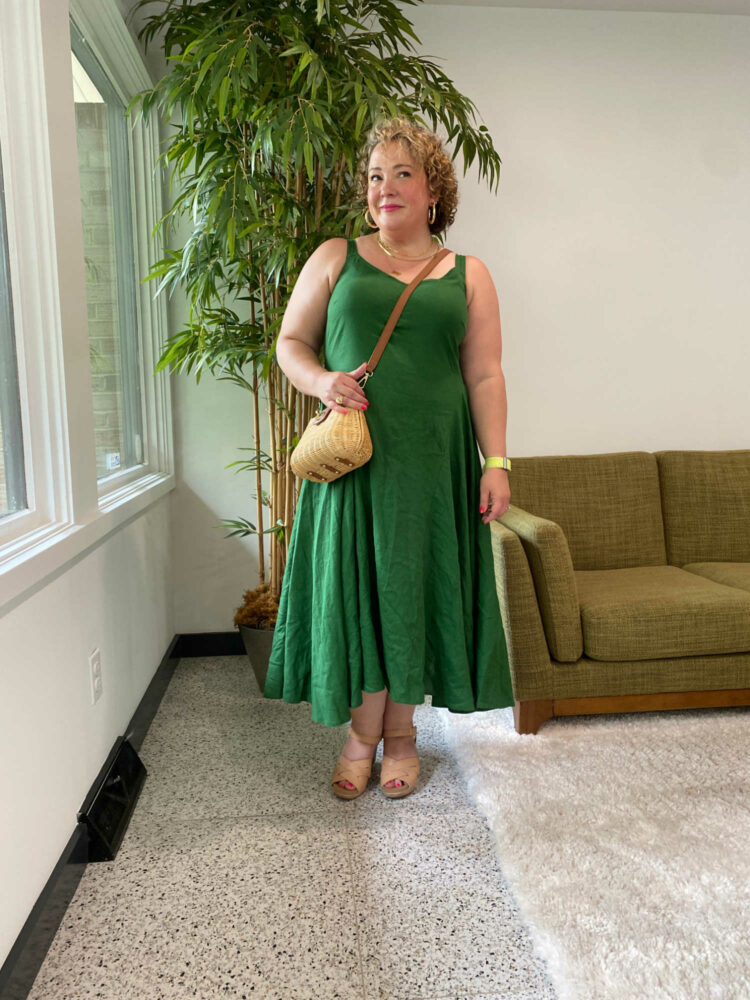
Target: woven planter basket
x,y
332,444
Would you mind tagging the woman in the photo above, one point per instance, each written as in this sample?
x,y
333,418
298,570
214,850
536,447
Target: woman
x,y
389,589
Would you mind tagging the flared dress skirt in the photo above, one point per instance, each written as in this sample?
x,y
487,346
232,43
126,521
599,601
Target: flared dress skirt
x,y
389,580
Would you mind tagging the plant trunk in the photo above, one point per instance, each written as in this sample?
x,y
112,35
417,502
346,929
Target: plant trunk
x,y
258,483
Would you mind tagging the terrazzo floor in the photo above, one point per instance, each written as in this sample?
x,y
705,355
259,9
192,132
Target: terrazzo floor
x,y
242,875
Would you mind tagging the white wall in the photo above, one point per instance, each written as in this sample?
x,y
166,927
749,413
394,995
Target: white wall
x,y
619,240
619,244
213,420
116,597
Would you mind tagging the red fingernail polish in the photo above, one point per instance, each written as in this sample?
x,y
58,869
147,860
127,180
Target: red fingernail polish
x,y
481,510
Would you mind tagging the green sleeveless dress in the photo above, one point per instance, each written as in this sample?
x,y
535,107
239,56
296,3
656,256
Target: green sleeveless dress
x,y
389,580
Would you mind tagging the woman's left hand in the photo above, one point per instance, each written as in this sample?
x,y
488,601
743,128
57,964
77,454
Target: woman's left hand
x,y
494,494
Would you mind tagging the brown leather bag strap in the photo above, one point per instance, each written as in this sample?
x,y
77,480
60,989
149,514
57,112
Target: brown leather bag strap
x,y
397,310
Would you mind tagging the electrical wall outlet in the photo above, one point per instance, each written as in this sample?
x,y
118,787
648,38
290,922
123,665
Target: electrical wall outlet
x,y
95,673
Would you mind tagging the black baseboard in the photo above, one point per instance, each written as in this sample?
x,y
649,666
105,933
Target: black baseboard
x,y
25,959
210,644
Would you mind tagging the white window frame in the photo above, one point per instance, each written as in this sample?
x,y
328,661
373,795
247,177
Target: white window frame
x,y
69,512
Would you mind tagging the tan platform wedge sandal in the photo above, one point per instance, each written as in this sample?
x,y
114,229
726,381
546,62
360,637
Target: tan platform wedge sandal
x,y
406,769
356,771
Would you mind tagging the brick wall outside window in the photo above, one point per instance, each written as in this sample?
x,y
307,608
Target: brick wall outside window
x,y
101,278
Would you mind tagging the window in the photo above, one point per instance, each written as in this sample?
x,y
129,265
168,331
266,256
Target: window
x,y
103,166
85,424
12,474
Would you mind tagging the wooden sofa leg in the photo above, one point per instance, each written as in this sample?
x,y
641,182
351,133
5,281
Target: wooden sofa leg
x,y
530,716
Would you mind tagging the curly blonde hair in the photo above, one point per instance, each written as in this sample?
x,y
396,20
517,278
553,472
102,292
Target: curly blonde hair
x,y
427,150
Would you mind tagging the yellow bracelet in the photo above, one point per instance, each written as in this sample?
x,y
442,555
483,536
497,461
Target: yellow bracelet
x,y
495,462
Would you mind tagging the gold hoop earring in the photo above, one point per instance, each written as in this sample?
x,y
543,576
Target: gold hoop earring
x,y
431,214
372,225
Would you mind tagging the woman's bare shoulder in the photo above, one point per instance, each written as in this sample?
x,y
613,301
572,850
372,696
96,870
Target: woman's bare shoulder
x,y
328,259
478,278
332,248
475,264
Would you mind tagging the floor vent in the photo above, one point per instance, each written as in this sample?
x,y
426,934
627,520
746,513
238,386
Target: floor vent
x,y
109,805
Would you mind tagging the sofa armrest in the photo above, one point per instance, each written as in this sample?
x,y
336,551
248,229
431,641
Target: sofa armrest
x,y
551,566
528,656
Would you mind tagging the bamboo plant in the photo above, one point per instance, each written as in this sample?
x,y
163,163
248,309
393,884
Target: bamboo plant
x,y
271,103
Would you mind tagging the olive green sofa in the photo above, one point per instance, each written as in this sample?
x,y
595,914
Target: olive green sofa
x,y
624,582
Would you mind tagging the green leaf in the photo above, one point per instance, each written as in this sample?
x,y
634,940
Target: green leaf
x,y
308,150
361,112
293,50
241,527
304,61
207,64
286,146
221,101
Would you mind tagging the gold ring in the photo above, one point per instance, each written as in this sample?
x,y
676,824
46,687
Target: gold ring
x,y
339,399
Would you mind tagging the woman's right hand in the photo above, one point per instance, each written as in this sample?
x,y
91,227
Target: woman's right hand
x,y
332,384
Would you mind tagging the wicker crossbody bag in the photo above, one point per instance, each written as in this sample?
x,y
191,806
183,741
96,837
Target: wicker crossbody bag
x,y
334,443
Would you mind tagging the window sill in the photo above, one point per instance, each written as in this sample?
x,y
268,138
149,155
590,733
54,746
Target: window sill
x,y
51,550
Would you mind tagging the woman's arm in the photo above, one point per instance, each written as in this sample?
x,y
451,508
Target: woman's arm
x,y
304,322
480,355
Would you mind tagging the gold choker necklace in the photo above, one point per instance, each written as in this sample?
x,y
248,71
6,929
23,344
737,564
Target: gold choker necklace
x,y
392,253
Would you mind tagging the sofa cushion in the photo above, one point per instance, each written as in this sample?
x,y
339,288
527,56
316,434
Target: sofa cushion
x,y
608,505
731,574
647,612
706,505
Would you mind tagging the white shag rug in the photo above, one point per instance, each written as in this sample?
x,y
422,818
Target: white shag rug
x,y
626,840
